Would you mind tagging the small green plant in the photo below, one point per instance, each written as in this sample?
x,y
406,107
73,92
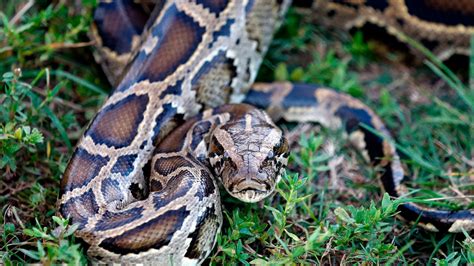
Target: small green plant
x,y
360,50
452,259
54,246
325,70
43,102
44,32
367,231
15,137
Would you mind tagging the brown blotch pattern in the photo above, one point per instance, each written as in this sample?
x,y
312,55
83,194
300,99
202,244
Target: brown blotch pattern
x,y
178,37
153,234
155,185
166,166
82,168
117,124
178,45
112,220
117,33
80,208
175,188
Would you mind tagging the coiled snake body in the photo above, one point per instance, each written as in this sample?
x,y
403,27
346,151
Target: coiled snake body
x,y
140,183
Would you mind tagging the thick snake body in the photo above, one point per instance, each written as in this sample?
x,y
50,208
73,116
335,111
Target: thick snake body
x,y
140,183
192,55
443,26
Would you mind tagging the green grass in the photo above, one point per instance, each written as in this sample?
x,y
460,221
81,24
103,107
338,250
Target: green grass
x,y
328,209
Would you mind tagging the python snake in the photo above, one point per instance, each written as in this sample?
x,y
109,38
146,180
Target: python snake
x,y
140,184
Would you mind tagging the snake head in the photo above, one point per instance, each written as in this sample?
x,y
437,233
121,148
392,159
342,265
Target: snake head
x,y
249,155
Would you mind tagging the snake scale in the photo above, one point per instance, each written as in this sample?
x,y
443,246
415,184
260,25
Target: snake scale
x,y
140,184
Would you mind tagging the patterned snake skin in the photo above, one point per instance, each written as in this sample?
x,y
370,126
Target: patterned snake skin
x,y
141,184
443,26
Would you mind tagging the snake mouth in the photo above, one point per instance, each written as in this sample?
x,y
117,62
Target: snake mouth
x,y
250,191
250,195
